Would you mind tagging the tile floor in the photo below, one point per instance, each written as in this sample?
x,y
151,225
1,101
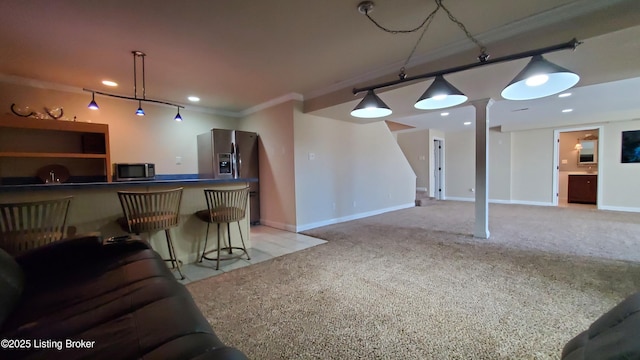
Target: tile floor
x,y
564,203
266,242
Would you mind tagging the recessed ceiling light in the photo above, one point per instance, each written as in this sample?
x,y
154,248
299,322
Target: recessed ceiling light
x,y
564,95
567,110
110,83
444,114
467,122
193,98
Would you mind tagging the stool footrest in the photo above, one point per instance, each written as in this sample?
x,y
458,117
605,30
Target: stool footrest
x,y
204,256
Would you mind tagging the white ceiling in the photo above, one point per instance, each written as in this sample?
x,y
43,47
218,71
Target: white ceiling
x,y
594,103
238,54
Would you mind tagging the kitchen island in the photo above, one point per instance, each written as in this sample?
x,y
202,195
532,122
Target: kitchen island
x,y
95,208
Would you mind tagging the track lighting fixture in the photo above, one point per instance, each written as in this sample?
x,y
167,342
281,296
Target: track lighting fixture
x,y
137,55
371,106
538,79
93,105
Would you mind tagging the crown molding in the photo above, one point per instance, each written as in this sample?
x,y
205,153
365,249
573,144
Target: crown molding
x,y
518,27
271,103
18,80
212,111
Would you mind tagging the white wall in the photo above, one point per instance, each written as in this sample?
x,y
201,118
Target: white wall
x,y
154,138
532,166
459,164
499,165
346,171
521,167
415,147
618,181
274,126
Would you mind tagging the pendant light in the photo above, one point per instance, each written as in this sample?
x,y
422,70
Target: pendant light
x,y
178,117
370,107
538,79
140,112
93,105
441,94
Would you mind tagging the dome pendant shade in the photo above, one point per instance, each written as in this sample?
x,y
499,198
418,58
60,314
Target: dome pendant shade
x,y
371,106
538,79
441,94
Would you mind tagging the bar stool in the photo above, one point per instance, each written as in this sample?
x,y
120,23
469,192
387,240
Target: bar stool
x,y
28,225
146,212
224,206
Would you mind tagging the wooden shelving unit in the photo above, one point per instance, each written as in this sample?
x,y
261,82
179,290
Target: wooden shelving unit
x,y
31,139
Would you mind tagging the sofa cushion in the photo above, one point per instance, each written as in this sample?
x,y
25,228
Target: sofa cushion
x,y
11,284
122,297
612,336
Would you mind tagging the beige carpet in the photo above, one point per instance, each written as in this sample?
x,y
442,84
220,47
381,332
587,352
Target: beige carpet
x,y
413,284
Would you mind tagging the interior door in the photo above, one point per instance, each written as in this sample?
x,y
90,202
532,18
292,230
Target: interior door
x,y
438,170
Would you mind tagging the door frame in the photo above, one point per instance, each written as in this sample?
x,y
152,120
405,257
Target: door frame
x,y
433,168
556,161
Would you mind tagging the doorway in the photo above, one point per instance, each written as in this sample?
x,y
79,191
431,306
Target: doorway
x,y
438,169
576,167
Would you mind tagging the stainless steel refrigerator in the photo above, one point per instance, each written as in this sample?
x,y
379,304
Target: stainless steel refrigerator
x,y
231,154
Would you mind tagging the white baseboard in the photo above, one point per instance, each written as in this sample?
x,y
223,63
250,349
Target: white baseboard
x,y
278,225
619,208
500,201
455,198
352,217
422,189
534,203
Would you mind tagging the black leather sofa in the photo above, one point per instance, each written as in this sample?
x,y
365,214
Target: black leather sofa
x,y
80,299
614,335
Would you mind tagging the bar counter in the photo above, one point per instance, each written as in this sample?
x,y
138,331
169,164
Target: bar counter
x,y
95,208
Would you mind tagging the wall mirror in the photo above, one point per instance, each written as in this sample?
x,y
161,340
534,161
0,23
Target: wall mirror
x,y
588,154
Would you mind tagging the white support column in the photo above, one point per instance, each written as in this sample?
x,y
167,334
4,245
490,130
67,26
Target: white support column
x,y
481,229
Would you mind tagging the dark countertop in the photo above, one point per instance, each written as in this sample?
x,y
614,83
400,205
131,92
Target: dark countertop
x,y
119,184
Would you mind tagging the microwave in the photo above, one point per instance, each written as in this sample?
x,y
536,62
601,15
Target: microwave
x,y
134,172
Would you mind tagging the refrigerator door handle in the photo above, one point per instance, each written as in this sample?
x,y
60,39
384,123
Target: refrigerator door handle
x,y
239,161
234,157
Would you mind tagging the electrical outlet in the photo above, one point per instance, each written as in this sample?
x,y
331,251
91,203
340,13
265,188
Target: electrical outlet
x,y
312,156
178,160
